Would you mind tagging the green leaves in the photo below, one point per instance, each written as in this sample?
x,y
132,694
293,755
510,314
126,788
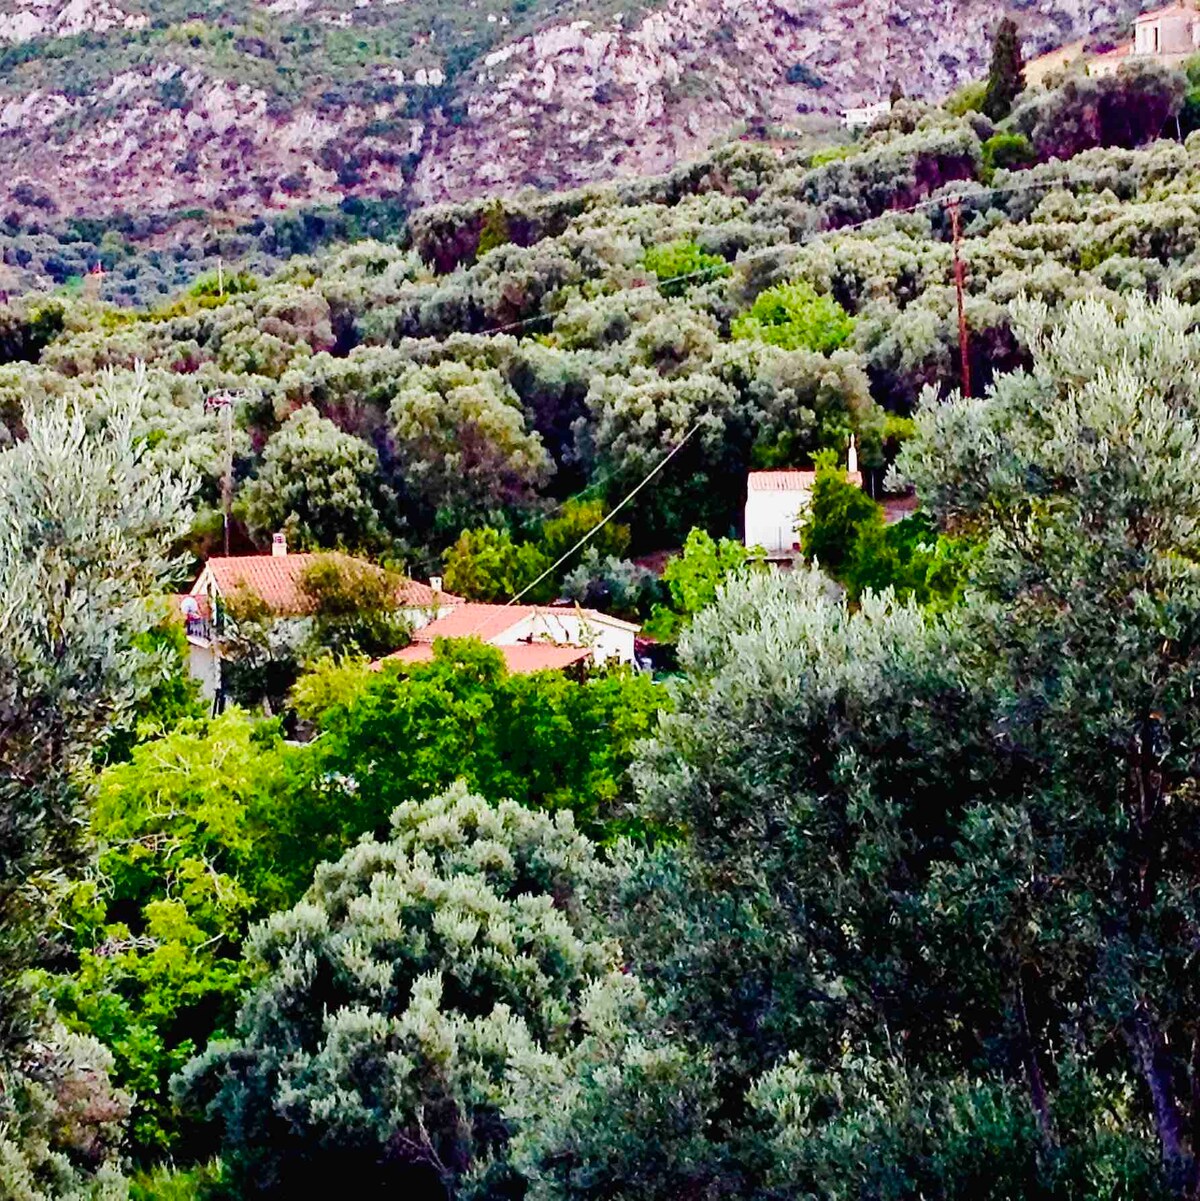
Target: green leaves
x,y
399,1003
795,317
187,857
318,484
694,579
681,266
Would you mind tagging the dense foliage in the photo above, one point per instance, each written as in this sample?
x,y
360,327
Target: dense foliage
x,y
415,979
890,893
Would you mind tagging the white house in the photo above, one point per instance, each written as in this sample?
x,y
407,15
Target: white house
x,y
867,114
531,637
1168,35
277,580
776,502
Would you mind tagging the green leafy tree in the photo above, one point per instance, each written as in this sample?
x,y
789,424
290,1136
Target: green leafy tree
x,y
355,608
838,513
693,579
795,317
911,557
495,231
185,864
968,98
317,483
546,740
398,1001
1007,152
578,518
1006,76
681,266
488,565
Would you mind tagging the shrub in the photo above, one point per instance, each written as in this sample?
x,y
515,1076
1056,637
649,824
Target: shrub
x,y
488,565
1007,151
674,262
398,1001
795,317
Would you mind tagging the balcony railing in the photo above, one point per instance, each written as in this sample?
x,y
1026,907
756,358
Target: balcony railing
x,y
199,628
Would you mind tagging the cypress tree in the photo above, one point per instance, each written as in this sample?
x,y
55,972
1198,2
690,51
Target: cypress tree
x,y
1006,78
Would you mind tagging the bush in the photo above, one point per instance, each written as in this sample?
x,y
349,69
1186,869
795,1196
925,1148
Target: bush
x,y
795,317
399,1000
838,514
1008,151
693,580
487,565
674,262
355,607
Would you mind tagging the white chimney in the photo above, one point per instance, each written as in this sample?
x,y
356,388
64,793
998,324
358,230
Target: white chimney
x,y
435,582
852,457
279,544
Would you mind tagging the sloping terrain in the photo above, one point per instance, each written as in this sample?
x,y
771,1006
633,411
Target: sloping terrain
x,y
241,107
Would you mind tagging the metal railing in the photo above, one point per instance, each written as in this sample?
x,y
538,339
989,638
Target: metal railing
x,y
199,627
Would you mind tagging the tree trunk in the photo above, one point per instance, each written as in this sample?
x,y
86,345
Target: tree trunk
x,y
1154,1063
1036,1082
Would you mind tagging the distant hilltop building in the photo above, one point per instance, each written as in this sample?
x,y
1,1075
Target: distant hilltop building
x,y
1168,36
868,114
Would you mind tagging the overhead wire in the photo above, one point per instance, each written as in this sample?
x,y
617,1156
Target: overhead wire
x,y
945,198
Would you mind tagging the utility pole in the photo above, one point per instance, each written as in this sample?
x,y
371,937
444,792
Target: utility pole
x,y
224,401
955,205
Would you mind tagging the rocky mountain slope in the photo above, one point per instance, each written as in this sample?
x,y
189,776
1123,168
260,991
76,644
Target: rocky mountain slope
x,y
246,106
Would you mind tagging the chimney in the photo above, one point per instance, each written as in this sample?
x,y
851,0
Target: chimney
x,y
279,545
435,582
852,457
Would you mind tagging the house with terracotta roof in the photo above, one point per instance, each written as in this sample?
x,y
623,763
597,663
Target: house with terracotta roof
x,y
531,637
1168,35
776,502
277,580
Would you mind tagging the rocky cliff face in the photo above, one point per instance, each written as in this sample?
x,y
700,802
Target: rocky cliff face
x,y
122,106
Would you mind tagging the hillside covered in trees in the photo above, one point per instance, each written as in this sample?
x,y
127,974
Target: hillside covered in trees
x,y
153,136
887,890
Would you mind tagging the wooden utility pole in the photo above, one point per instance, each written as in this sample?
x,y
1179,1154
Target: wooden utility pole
x,y
955,206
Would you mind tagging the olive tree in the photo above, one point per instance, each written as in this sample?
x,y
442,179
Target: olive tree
x,y
947,864
463,451
318,483
85,527
401,998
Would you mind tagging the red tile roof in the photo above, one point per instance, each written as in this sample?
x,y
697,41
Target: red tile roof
x,y
794,479
487,622
472,620
276,579
520,659
780,481
1166,11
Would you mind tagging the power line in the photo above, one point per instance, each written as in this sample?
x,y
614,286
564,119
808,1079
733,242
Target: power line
x,y
836,231
951,202
612,513
602,522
